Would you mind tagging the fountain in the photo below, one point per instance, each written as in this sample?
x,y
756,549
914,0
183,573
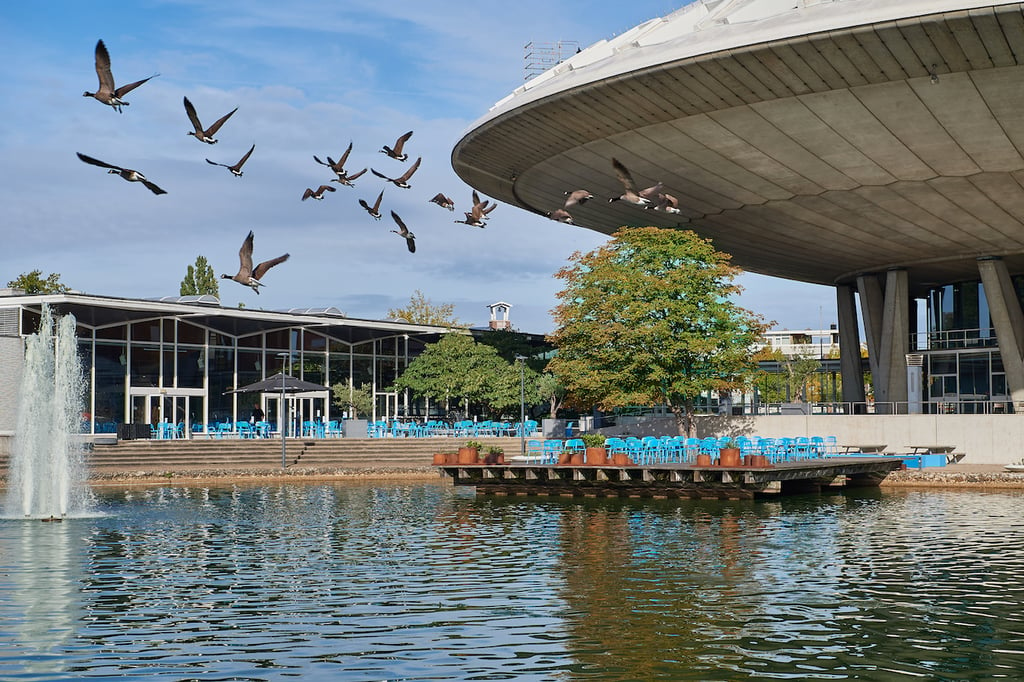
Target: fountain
x,y
46,473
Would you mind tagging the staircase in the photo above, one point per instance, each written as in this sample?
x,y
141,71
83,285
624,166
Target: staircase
x,y
157,456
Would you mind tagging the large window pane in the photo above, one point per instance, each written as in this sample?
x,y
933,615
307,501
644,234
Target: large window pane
x,y
221,370
110,376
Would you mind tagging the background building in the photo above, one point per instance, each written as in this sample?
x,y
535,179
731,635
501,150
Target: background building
x,y
873,146
176,359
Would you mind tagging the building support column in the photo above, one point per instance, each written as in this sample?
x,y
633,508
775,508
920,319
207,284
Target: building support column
x,y
850,364
871,303
886,314
896,338
1008,321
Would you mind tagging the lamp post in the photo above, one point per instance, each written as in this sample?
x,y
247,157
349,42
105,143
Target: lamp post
x,y
282,413
521,359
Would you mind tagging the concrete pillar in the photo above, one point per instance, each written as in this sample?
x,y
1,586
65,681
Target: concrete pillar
x,y
850,365
871,304
1008,321
895,340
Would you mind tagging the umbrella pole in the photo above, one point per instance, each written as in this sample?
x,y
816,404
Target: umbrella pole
x,y
284,425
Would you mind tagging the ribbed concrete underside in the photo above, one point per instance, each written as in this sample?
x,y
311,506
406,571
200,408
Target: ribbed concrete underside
x,y
814,158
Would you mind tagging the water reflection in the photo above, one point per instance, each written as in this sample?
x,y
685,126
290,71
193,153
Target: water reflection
x,y
424,582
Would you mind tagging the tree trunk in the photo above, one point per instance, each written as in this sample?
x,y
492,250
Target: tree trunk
x,y
685,425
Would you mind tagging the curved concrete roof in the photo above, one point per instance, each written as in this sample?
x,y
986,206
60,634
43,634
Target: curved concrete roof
x,y
810,143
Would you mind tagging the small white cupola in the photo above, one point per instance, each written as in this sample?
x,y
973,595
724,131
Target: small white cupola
x,y
499,315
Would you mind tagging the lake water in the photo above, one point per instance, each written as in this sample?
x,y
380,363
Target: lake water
x,y
426,582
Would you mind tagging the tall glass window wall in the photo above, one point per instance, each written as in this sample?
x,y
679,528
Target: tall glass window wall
x,y
166,369
964,373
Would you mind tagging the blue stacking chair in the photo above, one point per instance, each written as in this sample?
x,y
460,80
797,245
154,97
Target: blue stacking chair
x,y
534,451
244,429
615,446
552,449
574,445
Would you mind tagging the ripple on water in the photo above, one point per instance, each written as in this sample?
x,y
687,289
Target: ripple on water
x,y
424,582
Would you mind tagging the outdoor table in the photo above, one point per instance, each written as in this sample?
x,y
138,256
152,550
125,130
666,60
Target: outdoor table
x,y
871,448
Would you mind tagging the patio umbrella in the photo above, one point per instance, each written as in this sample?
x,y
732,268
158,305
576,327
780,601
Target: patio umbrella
x,y
281,383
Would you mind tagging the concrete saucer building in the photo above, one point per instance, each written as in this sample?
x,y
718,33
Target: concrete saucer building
x,y
870,145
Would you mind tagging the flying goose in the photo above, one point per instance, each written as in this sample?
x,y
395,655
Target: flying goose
x,y
107,93
318,194
666,203
443,201
375,209
205,135
403,231
630,195
403,180
126,173
485,206
337,166
560,215
347,178
476,217
236,170
579,196
247,274
397,153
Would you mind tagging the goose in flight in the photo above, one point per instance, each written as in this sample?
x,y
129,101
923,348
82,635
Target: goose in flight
x,y
477,216
403,180
403,231
318,194
630,195
375,209
205,135
236,170
337,166
126,173
396,152
347,178
107,93
443,201
560,215
579,196
666,203
247,274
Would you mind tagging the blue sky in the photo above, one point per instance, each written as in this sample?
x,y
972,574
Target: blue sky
x,y
307,76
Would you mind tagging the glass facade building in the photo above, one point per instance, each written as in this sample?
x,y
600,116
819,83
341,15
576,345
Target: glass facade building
x,y
178,360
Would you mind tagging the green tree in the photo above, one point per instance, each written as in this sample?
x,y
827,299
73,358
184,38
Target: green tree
x,y
551,390
357,401
200,280
648,319
421,311
457,368
33,283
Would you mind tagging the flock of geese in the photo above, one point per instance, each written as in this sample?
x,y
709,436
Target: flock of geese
x,y
652,197
249,275
108,93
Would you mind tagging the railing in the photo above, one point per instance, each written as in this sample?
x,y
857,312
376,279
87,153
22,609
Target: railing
x,y
852,408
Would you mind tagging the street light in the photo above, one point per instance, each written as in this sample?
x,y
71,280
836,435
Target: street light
x,y
282,413
521,359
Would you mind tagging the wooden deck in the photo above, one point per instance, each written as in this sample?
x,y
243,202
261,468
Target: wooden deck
x,y
672,480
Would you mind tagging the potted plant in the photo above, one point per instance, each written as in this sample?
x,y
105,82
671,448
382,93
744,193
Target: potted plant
x,y
596,455
469,452
729,453
495,455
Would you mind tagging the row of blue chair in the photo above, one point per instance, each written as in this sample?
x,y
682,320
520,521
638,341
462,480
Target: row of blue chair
x,y
677,449
461,429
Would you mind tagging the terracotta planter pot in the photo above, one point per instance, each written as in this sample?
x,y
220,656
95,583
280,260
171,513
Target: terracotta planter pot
x,y
439,459
489,458
729,457
451,458
501,458
468,455
564,458
576,459
597,457
703,460
621,459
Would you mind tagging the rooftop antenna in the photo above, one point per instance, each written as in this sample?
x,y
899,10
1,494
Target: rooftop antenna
x,y
539,57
